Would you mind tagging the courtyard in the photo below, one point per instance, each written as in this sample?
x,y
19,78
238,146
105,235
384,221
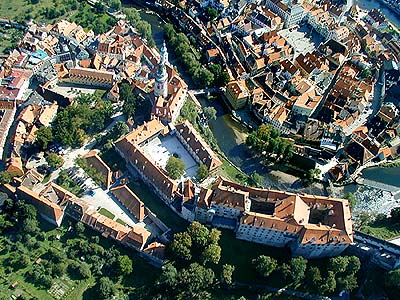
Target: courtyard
x,y
162,148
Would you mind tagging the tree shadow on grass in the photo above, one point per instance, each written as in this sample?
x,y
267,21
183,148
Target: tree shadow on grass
x,y
90,293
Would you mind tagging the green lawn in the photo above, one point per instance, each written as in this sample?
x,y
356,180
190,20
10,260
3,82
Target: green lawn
x,y
228,171
157,206
106,213
240,254
121,222
385,229
18,9
9,38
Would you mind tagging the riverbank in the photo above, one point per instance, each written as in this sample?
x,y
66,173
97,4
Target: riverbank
x,y
393,17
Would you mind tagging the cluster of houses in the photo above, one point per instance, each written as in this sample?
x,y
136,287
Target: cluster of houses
x,y
41,76
317,93
147,235
313,70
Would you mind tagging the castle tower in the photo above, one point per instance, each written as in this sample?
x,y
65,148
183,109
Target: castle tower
x,y
161,85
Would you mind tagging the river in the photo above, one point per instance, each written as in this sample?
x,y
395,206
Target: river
x,y
370,4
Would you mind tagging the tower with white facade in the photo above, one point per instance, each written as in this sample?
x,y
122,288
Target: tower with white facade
x,y
161,85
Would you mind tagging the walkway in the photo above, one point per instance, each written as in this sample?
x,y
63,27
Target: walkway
x,y
283,291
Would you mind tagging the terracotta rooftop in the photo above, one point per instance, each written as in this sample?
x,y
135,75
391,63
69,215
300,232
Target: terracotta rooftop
x,y
198,145
130,200
94,161
316,219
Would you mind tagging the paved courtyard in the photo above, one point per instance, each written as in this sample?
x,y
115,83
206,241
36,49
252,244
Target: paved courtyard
x,y
161,148
72,90
298,40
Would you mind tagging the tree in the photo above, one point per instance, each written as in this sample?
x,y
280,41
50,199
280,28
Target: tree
x,y
196,281
338,264
347,283
203,77
4,223
199,234
30,226
59,269
144,29
354,265
100,7
265,265
210,112
352,199
180,246
84,270
329,284
365,73
79,227
395,214
392,283
115,4
6,177
202,172
227,273
132,15
169,277
120,128
256,180
312,174
212,13
124,264
224,78
54,160
212,254
214,236
44,137
298,266
313,277
175,167
106,288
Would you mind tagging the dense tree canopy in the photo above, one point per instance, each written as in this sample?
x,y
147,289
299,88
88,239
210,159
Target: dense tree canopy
x,y
184,51
267,143
87,115
194,282
44,137
198,243
175,167
124,264
54,160
265,265
202,172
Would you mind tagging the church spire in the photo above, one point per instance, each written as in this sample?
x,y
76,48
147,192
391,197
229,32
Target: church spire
x,y
164,54
161,76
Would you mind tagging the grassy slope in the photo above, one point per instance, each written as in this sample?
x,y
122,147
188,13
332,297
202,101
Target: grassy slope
x,y
16,8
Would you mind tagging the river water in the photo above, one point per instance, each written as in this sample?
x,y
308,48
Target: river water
x,y
370,4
